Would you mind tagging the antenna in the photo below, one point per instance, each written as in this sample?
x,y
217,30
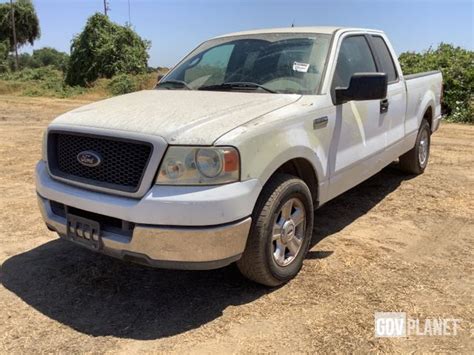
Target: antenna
x,y
129,16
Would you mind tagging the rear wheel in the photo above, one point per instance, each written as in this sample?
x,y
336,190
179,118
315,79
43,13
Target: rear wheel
x,y
282,224
416,160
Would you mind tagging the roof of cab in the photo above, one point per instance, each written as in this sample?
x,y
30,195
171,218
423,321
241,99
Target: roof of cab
x,y
318,29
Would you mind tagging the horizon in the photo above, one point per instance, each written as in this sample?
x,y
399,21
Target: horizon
x,y
411,25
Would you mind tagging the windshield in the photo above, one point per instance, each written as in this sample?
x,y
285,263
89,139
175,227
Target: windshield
x,y
282,63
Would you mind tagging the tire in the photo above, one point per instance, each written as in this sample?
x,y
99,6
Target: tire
x,y
415,161
270,261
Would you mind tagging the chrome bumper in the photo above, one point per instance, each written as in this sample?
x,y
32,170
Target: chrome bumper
x,y
196,248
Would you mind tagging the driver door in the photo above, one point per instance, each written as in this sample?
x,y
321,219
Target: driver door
x,y
359,135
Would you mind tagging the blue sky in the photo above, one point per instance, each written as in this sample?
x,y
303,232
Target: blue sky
x,y
177,26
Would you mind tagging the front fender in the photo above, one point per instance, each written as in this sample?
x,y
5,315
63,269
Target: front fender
x,y
263,152
266,143
293,152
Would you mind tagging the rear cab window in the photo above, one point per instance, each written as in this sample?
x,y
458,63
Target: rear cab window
x,y
384,56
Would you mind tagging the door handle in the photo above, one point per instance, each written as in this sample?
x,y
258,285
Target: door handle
x,y
320,122
384,105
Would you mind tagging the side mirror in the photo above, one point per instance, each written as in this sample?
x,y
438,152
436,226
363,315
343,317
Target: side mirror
x,y
363,86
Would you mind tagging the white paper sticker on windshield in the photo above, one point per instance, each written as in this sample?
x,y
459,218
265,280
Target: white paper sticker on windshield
x,y
300,67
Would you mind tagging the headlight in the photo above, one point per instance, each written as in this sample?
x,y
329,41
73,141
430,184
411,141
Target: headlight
x,y
199,166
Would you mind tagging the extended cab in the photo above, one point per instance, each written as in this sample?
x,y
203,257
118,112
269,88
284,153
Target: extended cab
x,y
227,158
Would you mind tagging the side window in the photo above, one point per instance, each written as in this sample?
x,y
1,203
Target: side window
x,y
354,57
385,58
214,61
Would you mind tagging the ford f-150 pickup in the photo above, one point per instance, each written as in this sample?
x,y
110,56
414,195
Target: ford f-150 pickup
x,y
226,159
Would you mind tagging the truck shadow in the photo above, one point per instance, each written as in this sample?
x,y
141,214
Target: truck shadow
x,y
100,296
346,208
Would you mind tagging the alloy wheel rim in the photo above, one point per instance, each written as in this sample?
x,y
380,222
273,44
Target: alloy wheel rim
x,y
423,148
288,232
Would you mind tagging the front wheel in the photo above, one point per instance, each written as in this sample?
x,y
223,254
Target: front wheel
x,y
416,160
282,224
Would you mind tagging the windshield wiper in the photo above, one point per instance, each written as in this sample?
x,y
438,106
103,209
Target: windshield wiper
x,y
178,82
237,85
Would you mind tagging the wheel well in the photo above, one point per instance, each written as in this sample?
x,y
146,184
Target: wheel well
x,y
304,170
428,116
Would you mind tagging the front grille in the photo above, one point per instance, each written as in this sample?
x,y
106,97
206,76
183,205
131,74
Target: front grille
x,y
123,162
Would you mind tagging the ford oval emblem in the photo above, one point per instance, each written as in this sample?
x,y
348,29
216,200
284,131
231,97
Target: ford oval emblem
x,y
89,158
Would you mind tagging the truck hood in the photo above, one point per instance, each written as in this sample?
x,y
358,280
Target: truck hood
x,y
179,116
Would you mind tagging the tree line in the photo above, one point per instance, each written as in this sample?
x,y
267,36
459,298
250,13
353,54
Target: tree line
x,y
102,50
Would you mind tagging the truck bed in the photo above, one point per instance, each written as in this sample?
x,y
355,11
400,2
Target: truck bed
x,y
422,89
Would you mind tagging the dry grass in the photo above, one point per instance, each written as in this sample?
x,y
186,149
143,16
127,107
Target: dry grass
x,y
393,243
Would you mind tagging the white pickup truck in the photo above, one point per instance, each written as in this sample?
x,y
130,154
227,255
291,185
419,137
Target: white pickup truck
x,y
226,159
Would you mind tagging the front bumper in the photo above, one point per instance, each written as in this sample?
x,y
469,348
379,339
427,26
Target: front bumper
x,y
184,228
192,248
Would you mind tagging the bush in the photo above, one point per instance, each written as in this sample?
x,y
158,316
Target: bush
x,y
122,84
45,81
29,74
49,82
105,49
49,57
457,67
126,83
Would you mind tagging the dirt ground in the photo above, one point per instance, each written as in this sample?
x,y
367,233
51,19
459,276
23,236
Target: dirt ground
x,y
394,243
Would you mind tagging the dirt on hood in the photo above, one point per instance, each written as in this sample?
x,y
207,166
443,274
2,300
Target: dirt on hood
x,y
179,116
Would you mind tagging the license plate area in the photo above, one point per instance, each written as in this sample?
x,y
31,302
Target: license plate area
x,y
84,231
